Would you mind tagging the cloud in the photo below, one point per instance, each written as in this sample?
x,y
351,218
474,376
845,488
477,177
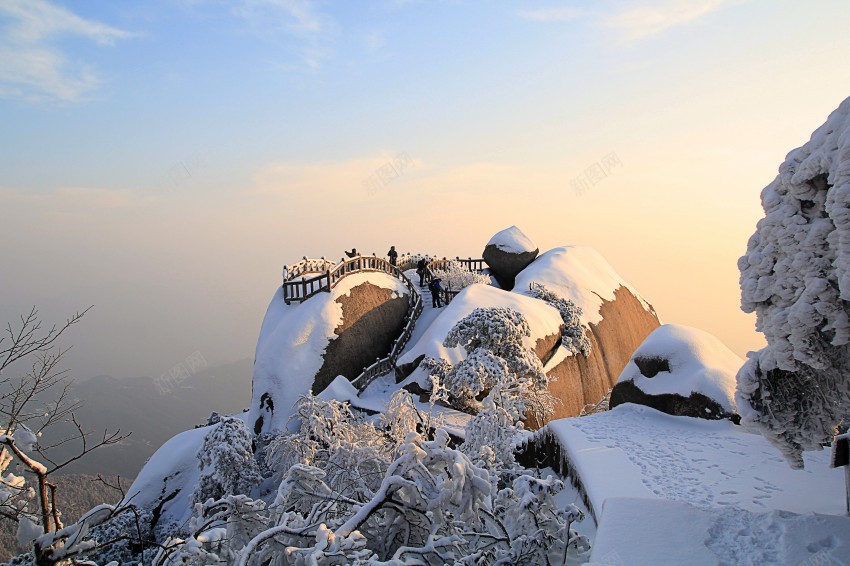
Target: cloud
x,y
560,14
645,21
633,23
32,66
297,16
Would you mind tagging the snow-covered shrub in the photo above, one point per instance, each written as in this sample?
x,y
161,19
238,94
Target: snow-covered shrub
x,y
127,532
795,276
497,357
540,532
599,407
574,333
227,462
332,437
456,277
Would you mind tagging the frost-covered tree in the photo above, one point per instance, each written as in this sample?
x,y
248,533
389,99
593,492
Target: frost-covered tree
x,y
456,277
227,462
497,356
796,277
425,503
574,333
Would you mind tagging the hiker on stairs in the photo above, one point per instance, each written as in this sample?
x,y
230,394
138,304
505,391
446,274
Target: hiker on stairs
x,y
435,289
421,267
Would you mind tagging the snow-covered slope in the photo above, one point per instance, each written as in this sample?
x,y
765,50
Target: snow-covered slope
x,y
698,362
293,340
577,273
168,480
543,319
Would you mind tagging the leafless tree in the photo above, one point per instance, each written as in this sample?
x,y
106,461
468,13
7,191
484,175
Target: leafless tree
x,y
34,399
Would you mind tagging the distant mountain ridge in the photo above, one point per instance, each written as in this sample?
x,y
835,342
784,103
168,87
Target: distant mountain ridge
x,y
154,411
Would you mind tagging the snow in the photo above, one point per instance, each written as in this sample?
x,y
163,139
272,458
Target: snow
x,y
653,532
576,273
709,464
543,320
293,340
795,276
173,468
698,361
339,389
513,241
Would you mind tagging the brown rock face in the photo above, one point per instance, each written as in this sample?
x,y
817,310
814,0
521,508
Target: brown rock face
x,y
696,405
505,265
581,380
371,319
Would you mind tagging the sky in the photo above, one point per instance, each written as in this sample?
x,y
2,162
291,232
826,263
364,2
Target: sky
x,y
162,159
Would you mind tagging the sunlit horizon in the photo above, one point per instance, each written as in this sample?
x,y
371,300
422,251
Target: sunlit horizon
x,y
163,160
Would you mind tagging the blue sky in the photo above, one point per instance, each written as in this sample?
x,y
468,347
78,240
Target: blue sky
x,y
162,159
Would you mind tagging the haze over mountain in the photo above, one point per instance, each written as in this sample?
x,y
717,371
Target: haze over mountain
x,y
153,412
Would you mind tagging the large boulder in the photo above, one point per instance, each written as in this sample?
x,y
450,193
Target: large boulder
x,y
507,253
614,317
304,346
681,371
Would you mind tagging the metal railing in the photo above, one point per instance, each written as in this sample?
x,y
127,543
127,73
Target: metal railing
x,y
329,274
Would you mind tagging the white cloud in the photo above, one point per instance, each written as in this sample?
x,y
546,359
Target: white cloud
x,y
295,15
633,22
560,14
641,22
31,65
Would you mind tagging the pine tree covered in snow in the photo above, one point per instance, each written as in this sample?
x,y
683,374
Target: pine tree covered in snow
x,y
574,333
796,277
497,357
227,462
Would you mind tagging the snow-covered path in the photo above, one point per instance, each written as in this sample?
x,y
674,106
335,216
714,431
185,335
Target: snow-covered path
x,y
716,494
429,313
705,463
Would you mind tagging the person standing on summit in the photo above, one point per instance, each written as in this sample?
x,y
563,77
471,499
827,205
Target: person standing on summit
x,y
393,255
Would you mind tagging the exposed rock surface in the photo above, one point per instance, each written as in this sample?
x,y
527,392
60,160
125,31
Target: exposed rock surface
x,y
371,319
507,253
304,346
581,380
681,371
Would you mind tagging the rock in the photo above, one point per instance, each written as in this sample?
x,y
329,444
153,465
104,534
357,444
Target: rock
x,y
581,380
681,371
507,253
614,317
371,320
305,346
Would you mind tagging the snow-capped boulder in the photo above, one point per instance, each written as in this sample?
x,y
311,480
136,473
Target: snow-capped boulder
x,y
507,253
681,371
305,346
613,316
